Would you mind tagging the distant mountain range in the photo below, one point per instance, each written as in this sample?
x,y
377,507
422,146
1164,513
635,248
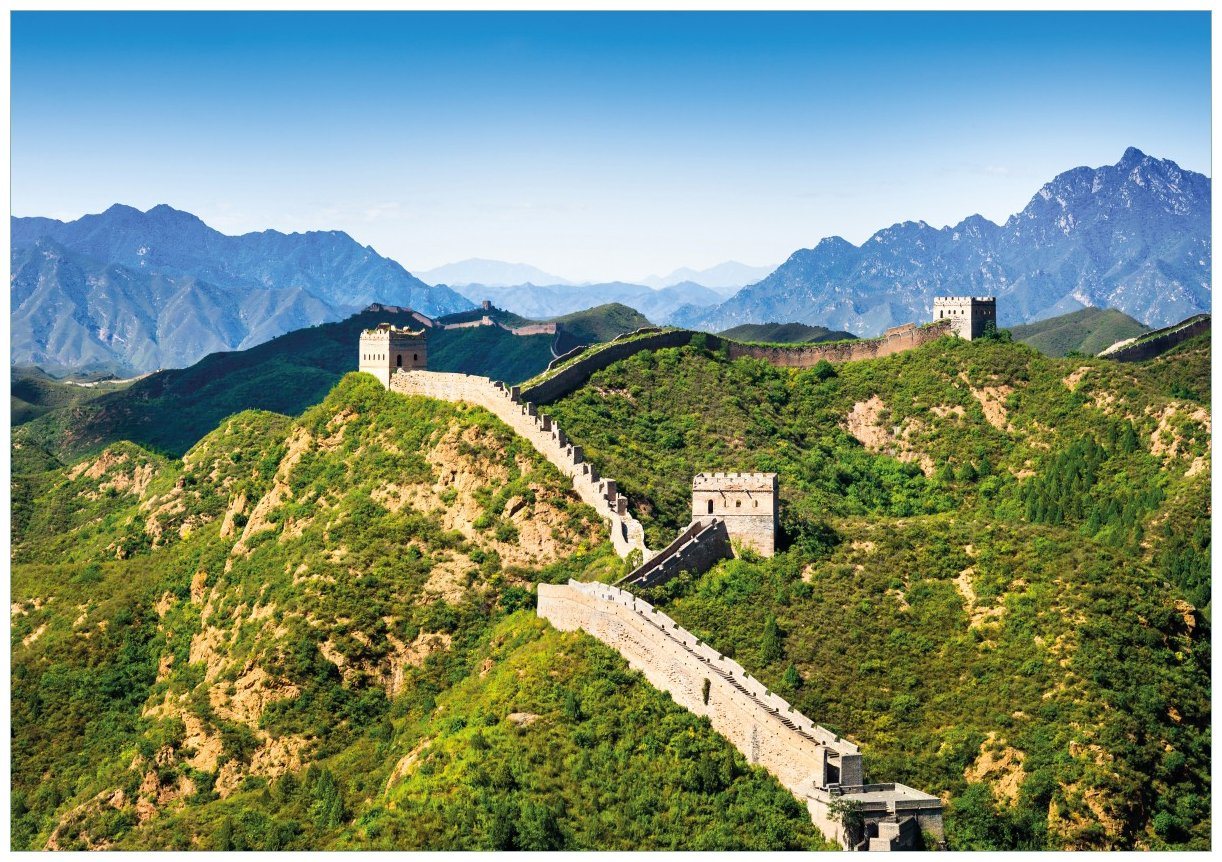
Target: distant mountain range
x,y
553,300
130,291
722,277
1134,236
494,273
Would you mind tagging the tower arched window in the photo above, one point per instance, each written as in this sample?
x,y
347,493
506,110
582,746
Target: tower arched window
x,y
398,360
710,507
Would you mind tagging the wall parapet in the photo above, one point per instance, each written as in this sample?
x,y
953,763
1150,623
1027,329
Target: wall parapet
x,y
697,549
1159,341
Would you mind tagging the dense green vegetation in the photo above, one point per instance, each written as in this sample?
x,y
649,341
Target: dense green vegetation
x,y
170,410
785,333
1086,331
598,324
347,595
318,632
969,588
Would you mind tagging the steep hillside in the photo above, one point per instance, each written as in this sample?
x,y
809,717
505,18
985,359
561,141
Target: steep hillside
x,y
132,292
318,633
1133,236
785,333
995,568
1087,331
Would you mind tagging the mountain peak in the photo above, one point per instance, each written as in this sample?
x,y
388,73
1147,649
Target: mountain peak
x,y
1132,156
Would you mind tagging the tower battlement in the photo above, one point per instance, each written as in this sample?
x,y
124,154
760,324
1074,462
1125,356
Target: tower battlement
x,y
747,502
387,348
970,316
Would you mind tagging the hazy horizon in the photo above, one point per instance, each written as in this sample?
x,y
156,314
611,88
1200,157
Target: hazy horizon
x,y
595,146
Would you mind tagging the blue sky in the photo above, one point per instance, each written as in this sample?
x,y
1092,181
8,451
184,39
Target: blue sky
x,y
595,146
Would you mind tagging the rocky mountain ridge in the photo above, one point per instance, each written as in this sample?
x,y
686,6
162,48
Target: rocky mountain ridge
x,y
131,291
1134,236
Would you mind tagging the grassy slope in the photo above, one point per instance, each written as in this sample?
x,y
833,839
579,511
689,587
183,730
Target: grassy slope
x,y
1082,574
785,333
156,654
1086,331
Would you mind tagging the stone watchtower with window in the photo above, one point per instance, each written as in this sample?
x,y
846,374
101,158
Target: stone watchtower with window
x,y
747,502
970,316
386,348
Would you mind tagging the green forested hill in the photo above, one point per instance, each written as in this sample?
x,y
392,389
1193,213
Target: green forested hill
x,y
319,633
594,325
785,333
1086,331
170,410
996,567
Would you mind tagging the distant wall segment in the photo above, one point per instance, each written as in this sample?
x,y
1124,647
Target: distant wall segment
x,y
576,373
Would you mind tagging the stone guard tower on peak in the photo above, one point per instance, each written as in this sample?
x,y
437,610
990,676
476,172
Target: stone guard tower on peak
x,y
387,348
969,315
747,502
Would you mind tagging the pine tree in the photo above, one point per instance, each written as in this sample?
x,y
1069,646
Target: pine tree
x,y
770,644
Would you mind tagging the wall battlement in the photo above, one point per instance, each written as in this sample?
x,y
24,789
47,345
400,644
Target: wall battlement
x,y
812,762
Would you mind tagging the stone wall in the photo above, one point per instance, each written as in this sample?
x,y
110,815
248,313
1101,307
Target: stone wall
x,y
544,435
697,549
895,340
810,761
572,376
763,726
1160,342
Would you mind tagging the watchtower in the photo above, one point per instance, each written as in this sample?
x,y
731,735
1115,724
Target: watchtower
x,y
747,502
387,348
969,315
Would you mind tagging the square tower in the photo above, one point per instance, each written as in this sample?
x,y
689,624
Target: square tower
x,y
386,348
969,315
747,502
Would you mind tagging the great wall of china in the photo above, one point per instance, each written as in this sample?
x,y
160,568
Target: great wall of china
x,y
822,770
816,765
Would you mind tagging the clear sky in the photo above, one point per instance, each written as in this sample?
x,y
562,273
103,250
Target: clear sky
x,y
594,146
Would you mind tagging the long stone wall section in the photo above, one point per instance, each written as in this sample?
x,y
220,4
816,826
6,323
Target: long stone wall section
x,y
810,761
1151,345
697,549
574,375
544,435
